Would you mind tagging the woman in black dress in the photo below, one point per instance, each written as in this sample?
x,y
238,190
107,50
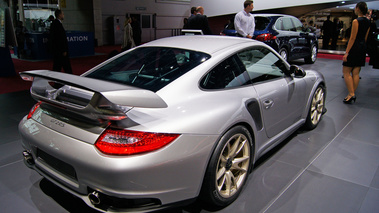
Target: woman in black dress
x,y
355,56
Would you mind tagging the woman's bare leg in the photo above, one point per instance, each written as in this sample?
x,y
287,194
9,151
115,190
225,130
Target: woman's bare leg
x,y
355,73
347,75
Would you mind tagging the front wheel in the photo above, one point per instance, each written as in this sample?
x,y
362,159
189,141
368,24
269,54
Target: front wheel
x,y
284,54
228,168
316,108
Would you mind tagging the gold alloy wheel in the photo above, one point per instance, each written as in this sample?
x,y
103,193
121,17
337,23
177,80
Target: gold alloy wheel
x,y
317,106
233,165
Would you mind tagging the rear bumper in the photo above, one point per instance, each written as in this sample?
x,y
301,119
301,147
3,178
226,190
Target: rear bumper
x,y
172,174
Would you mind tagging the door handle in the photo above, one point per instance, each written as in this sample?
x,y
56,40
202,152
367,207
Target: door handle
x,y
268,103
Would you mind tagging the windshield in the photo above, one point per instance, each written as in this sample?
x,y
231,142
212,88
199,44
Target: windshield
x,y
149,68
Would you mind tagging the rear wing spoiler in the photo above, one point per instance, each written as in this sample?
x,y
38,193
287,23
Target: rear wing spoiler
x,y
81,93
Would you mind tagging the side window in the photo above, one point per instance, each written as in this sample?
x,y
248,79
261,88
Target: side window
x,y
287,24
228,74
261,64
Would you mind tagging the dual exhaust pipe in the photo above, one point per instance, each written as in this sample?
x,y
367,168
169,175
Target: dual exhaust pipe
x,y
94,197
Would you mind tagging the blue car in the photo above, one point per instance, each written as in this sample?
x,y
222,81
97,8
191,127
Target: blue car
x,y
284,33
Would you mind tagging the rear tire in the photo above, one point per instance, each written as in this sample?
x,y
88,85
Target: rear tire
x,y
316,108
228,168
313,57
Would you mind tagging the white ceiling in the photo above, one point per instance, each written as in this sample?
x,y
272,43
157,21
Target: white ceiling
x,y
292,7
372,5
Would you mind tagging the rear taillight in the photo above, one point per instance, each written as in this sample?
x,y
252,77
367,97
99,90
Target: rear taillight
x,y
126,142
26,77
265,37
33,110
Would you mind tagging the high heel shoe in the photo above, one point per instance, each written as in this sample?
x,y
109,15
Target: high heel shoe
x,y
350,100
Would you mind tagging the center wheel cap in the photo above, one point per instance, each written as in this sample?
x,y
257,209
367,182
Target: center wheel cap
x,y
228,164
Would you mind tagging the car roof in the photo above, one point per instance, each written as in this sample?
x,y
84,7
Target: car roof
x,y
271,15
203,43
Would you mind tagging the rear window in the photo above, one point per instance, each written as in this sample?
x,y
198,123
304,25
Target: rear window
x,y
150,68
261,22
285,24
289,24
298,25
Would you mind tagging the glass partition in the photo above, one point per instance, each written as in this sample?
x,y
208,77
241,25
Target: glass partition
x,y
37,13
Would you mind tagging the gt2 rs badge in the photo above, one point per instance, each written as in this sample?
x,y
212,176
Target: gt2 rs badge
x,y
57,122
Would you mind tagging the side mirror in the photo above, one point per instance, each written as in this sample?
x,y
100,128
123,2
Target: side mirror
x,y
297,71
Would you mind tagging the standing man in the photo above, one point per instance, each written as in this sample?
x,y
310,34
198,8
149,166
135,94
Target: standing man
x,y
193,13
244,21
20,36
137,31
199,21
326,30
335,33
59,44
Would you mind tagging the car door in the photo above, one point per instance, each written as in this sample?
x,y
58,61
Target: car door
x,y
304,40
289,36
281,96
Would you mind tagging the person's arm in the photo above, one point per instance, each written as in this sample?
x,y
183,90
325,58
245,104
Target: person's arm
x,y
252,29
353,36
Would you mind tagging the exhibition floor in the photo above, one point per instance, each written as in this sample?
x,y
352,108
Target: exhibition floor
x,y
334,168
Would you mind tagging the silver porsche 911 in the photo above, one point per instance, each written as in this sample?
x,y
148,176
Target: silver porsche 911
x,y
171,120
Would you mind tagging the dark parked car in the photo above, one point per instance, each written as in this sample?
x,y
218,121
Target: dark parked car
x,y
285,33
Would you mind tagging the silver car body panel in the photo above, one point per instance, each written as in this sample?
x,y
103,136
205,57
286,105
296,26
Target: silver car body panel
x,y
200,116
102,172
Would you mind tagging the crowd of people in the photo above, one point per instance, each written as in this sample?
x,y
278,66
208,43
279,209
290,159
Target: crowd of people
x,y
244,21
331,30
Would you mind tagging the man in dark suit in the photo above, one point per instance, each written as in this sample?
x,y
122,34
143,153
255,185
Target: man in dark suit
x,y
59,44
327,30
199,22
193,13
